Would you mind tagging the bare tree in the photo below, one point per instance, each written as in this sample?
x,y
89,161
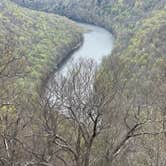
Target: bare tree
x,y
78,98
88,117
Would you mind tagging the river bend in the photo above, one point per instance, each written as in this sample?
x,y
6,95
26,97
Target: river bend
x,y
98,42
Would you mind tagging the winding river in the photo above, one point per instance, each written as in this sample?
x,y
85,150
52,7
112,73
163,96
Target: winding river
x,y
98,42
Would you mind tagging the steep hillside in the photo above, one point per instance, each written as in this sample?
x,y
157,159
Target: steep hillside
x,y
115,116
42,39
149,41
144,58
122,17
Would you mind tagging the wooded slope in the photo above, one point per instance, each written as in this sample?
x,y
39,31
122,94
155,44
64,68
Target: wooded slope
x,y
42,40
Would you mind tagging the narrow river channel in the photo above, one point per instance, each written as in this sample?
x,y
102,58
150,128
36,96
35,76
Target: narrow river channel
x,y
98,42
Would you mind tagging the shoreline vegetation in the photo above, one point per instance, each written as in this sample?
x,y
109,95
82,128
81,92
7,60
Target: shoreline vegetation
x,y
59,63
41,39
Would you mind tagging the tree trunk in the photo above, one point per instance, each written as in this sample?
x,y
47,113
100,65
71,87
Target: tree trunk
x,y
87,156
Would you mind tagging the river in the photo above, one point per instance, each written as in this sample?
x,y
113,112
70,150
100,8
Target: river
x,y
98,42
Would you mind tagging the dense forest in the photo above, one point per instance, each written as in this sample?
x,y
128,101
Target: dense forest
x,y
42,39
111,115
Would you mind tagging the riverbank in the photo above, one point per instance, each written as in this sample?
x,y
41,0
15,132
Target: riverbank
x,y
95,43
60,61
38,40
98,43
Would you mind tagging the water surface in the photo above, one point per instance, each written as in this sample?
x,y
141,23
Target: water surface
x,y
98,42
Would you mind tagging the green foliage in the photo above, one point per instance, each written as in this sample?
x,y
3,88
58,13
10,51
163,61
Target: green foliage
x,y
139,28
144,47
39,36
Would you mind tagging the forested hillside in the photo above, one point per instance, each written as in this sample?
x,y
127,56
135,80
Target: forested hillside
x,y
39,39
31,45
114,115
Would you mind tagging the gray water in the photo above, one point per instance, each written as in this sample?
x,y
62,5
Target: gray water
x,y
98,42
